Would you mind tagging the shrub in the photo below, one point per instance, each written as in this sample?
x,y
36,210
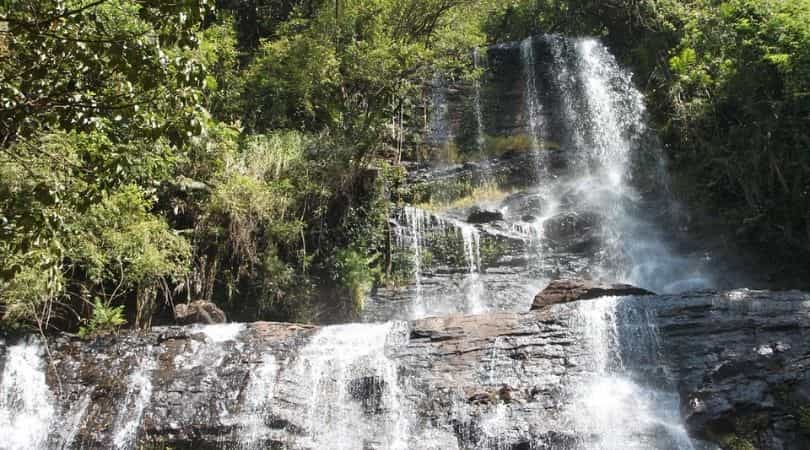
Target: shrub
x,y
106,319
355,272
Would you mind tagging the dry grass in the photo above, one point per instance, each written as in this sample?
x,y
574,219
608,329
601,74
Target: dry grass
x,y
489,192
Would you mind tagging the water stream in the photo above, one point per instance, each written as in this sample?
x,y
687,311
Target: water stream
x,y
478,109
26,407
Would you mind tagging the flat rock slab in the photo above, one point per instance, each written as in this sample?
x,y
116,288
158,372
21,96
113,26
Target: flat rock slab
x,y
566,291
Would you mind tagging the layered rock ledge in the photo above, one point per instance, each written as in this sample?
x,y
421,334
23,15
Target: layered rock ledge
x,y
567,291
739,360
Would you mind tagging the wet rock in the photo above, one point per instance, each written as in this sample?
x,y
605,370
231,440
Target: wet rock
x,y
454,372
478,215
522,204
577,232
368,391
566,291
739,364
199,311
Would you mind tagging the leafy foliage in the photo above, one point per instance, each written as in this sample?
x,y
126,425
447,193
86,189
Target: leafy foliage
x,y
98,100
352,268
105,319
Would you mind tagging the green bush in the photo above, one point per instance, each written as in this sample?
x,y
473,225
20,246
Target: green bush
x,y
356,273
106,319
85,237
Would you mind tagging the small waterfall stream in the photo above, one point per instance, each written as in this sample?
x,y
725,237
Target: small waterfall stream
x,y
349,387
530,93
130,412
610,409
26,408
479,111
419,230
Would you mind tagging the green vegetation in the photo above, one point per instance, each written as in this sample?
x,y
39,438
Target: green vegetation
x,y
153,151
736,443
105,319
458,194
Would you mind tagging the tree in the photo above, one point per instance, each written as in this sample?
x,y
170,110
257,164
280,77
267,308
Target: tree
x,y
98,100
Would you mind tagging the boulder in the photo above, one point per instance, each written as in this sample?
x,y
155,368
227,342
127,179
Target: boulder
x,y
573,231
566,291
524,204
199,311
478,215
571,225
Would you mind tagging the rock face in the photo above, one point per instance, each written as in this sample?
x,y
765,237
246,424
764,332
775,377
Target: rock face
x,y
574,231
742,363
566,291
738,363
198,311
478,215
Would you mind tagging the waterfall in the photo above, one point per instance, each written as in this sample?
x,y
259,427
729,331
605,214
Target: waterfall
x,y
72,423
591,103
531,98
138,395
258,404
473,287
26,406
609,409
416,218
351,389
423,229
479,113
579,369
604,118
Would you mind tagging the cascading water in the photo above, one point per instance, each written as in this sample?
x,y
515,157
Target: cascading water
x,y
423,229
473,287
609,409
479,112
26,409
415,219
258,404
342,388
531,97
352,396
130,412
601,118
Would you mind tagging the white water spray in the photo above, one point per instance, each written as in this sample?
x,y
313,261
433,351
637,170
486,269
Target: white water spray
x,y
354,394
610,410
130,412
26,406
531,98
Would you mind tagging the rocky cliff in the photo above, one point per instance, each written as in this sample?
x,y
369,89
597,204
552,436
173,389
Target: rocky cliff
x,y
737,361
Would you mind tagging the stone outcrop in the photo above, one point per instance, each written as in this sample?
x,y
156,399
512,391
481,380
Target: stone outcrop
x,y
199,311
573,231
566,291
739,360
478,215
